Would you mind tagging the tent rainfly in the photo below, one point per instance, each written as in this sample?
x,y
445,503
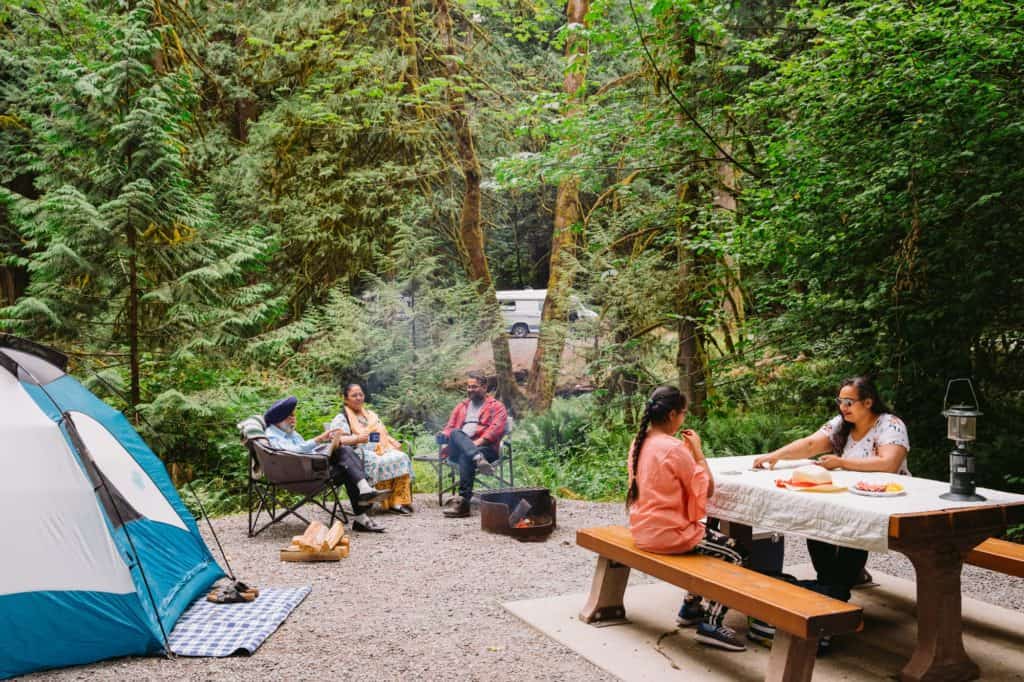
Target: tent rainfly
x,y
102,556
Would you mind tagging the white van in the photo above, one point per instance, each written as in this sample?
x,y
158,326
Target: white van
x,y
522,308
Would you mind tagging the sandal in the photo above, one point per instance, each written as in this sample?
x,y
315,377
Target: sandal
x,y
228,595
246,590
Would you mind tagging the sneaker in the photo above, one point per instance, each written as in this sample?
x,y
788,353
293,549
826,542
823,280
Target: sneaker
x,y
483,466
723,637
760,632
690,613
824,645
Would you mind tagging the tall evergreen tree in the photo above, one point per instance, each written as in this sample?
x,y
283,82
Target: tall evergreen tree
x,y
124,254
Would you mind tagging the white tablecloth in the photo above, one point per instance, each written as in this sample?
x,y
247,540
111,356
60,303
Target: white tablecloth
x,y
751,497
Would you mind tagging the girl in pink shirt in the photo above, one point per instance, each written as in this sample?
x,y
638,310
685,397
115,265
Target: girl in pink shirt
x,y
669,485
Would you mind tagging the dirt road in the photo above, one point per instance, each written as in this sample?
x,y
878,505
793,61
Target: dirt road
x,y
573,370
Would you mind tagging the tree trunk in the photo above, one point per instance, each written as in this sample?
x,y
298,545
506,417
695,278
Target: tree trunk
x,y
554,318
690,351
245,108
133,317
14,278
725,200
547,360
407,43
471,233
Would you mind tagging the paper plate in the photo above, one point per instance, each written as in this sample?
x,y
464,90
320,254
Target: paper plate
x,y
870,493
827,488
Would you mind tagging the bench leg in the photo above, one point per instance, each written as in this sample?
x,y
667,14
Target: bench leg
x,y
605,600
792,658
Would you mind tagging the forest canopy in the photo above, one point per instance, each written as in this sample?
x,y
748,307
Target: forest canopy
x,y
210,205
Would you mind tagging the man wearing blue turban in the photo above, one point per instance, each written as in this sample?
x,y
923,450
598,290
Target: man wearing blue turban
x,y
346,465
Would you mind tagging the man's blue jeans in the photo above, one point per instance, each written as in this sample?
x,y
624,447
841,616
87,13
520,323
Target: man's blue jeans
x,y
461,451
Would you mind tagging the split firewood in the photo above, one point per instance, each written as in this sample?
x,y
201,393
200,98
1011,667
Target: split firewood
x,y
311,540
335,535
321,538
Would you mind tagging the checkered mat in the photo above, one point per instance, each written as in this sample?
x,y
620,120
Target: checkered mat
x,y
208,629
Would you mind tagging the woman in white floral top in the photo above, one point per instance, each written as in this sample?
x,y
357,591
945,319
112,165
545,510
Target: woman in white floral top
x,y
864,436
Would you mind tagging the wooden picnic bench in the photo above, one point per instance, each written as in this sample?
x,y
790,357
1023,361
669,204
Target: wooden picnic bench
x,y
999,555
800,616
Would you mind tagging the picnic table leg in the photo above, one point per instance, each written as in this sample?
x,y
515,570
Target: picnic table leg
x,y
792,658
940,653
606,591
740,532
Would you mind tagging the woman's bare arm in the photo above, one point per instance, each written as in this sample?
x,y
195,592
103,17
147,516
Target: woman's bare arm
x,y
889,459
802,448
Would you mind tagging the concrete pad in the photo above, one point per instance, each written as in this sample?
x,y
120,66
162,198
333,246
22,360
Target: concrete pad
x,y
650,647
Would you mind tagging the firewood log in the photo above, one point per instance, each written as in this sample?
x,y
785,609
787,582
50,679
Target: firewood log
x,y
311,540
335,535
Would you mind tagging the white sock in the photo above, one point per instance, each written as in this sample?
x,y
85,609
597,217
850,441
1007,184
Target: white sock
x,y
361,518
364,486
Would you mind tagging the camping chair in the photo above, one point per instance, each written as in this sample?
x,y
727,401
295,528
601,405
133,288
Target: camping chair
x,y
448,474
274,474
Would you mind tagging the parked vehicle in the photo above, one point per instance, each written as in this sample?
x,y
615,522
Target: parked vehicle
x,y
522,308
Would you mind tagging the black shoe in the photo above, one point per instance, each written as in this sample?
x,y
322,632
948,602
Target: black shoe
x,y
402,510
824,645
373,496
690,613
459,511
369,527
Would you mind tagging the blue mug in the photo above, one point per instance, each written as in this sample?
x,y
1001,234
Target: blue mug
x,y
374,437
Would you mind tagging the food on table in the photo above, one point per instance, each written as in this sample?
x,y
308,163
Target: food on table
x,y
869,487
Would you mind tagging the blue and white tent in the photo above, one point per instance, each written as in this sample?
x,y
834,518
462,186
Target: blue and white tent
x,y
100,554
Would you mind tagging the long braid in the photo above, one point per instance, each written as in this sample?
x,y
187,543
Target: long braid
x,y
663,400
638,443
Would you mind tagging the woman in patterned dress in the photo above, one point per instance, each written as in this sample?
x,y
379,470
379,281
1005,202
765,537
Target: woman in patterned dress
x,y
386,465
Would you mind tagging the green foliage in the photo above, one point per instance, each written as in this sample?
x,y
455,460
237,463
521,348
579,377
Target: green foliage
x,y
283,177
884,224
118,223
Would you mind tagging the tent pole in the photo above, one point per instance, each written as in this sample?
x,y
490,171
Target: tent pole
x,y
231,574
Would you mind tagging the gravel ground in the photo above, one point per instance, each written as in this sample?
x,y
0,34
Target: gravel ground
x,y
422,601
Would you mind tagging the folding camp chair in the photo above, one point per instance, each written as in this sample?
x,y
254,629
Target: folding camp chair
x,y
275,475
448,473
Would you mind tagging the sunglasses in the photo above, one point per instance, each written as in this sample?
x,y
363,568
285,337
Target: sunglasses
x,y
846,402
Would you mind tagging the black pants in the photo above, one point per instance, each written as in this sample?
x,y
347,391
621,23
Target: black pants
x,y
461,451
347,468
838,568
720,546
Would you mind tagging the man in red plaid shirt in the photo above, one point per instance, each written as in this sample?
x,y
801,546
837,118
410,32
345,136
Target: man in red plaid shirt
x,y
473,436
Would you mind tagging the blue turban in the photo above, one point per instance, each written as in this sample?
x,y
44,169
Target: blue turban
x,y
280,410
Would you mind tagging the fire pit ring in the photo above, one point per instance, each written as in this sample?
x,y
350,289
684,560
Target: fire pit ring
x,y
497,505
